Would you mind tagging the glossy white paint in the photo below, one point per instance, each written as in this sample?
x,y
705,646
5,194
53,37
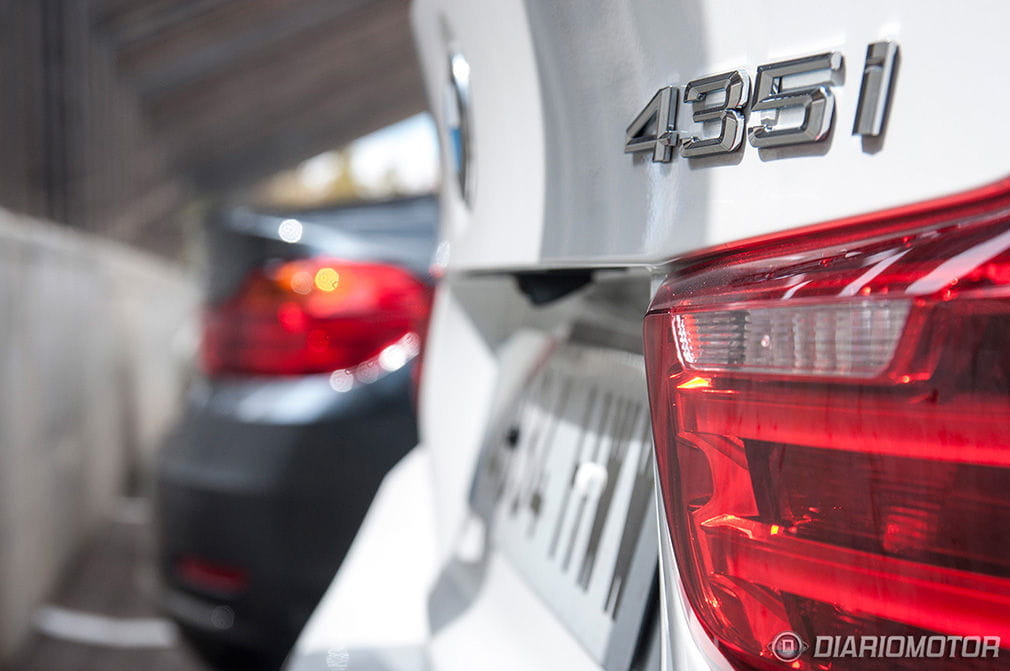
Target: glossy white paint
x,y
504,218
476,360
456,392
553,87
375,608
507,627
597,67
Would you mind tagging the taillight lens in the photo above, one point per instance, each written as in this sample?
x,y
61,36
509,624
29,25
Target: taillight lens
x,y
832,423
210,576
314,316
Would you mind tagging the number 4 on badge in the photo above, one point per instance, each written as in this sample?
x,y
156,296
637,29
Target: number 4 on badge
x,y
653,128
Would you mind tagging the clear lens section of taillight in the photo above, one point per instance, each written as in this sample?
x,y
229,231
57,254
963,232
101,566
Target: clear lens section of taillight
x,y
832,424
854,339
315,316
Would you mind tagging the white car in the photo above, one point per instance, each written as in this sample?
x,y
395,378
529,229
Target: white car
x,y
718,375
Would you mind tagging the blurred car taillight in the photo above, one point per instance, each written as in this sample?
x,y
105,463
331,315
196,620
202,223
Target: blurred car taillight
x,y
831,413
213,577
314,316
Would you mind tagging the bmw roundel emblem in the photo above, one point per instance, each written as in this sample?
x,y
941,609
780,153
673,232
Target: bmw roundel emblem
x,y
457,122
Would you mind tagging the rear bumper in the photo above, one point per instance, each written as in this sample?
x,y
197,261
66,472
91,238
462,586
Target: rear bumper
x,y
277,495
374,614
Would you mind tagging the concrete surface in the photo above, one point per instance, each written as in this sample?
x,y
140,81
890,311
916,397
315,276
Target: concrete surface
x,y
112,580
92,340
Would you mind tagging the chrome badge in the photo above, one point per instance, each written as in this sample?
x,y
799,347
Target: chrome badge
x,y
457,122
725,98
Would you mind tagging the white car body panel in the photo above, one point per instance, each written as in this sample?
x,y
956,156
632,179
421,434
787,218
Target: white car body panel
x,y
553,87
507,627
503,221
374,611
599,64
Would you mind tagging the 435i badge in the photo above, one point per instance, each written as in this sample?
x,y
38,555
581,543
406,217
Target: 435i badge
x,y
780,89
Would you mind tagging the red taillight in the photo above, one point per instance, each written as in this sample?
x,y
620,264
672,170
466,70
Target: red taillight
x,y
315,316
832,424
213,577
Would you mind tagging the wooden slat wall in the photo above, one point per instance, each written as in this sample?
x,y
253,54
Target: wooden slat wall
x,y
115,113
